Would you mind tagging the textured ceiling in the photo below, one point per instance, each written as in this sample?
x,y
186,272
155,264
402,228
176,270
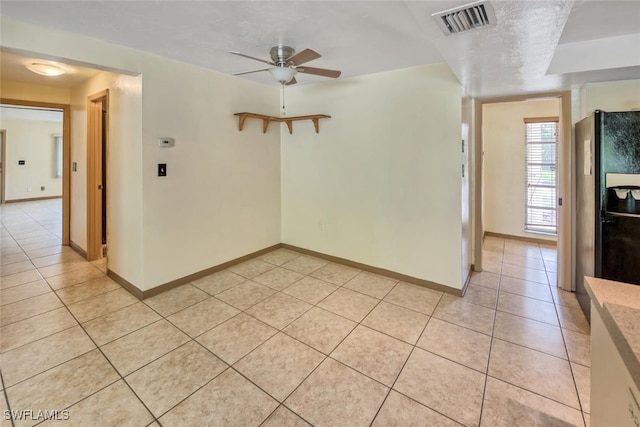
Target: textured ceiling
x,y
363,37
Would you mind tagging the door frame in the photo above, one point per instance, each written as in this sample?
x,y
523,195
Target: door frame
x,y
66,158
96,103
564,182
3,139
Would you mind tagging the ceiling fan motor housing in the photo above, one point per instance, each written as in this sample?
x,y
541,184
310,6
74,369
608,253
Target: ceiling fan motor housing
x,y
280,54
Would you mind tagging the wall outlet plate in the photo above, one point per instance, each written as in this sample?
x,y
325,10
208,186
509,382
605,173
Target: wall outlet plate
x,y
166,142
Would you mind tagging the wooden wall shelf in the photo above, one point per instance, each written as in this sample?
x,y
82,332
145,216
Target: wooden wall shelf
x,y
266,120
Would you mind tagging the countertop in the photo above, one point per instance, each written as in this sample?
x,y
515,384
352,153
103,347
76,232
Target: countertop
x,y
619,306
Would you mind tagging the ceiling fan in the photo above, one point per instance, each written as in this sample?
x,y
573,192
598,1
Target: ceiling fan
x,y
286,63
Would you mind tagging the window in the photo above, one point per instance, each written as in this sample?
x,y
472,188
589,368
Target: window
x,y
542,175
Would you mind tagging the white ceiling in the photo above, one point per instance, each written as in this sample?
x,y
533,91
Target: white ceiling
x,y
583,40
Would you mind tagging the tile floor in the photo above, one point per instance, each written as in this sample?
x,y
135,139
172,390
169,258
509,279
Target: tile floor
x,y
286,339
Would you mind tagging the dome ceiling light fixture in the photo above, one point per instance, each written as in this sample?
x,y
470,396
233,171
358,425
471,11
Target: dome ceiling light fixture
x,y
44,69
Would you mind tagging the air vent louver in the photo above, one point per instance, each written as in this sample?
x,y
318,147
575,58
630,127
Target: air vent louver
x,y
464,18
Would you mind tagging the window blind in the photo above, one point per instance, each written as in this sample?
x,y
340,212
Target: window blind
x,y
542,176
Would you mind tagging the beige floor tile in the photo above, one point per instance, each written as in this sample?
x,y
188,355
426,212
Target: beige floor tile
x,y
440,384
65,267
278,278
320,329
283,417
81,377
522,250
279,256
100,305
532,370
336,274
116,324
549,253
587,419
113,406
553,279
51,250
218,282
353,400
4,407
578,347
279,365
492,267
455,310
528,307
305,264
86,290
19,279
374,354
350,304
568,299
528,274
486,279
251,268
551,266
28,308
582,376
310,290
278,310
521,261
236,337
481,296
53,258
18,267
41,244
414,297
506,405
228,400
371,284
399,322
143,346
36,327
245,294
23,292
201,317
492,256
527,289
168,380
36,357
176,299
76,277
456,343
573,319
399,410
530,333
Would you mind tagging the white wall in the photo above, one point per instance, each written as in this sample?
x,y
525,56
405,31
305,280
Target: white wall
x,y
609,96
381,183
124,178
221,198
467,131
504,169
31,140
33,92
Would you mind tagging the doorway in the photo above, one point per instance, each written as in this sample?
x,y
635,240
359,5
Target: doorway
x,y
97,156
66,157
563,183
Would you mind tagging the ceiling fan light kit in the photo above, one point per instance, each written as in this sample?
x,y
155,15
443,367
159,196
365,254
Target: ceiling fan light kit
x,y
285,64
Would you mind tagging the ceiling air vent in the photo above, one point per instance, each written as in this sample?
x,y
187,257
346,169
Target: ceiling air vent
x,y
464,18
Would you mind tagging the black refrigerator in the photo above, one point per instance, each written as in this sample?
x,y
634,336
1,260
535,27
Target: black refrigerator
x,y
607,200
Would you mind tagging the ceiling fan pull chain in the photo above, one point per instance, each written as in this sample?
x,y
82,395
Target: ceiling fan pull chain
x,y
283,113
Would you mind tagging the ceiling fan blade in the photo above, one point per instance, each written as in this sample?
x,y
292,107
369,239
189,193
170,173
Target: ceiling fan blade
x,y
249,72
319,71
303,57
291,82
251,57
